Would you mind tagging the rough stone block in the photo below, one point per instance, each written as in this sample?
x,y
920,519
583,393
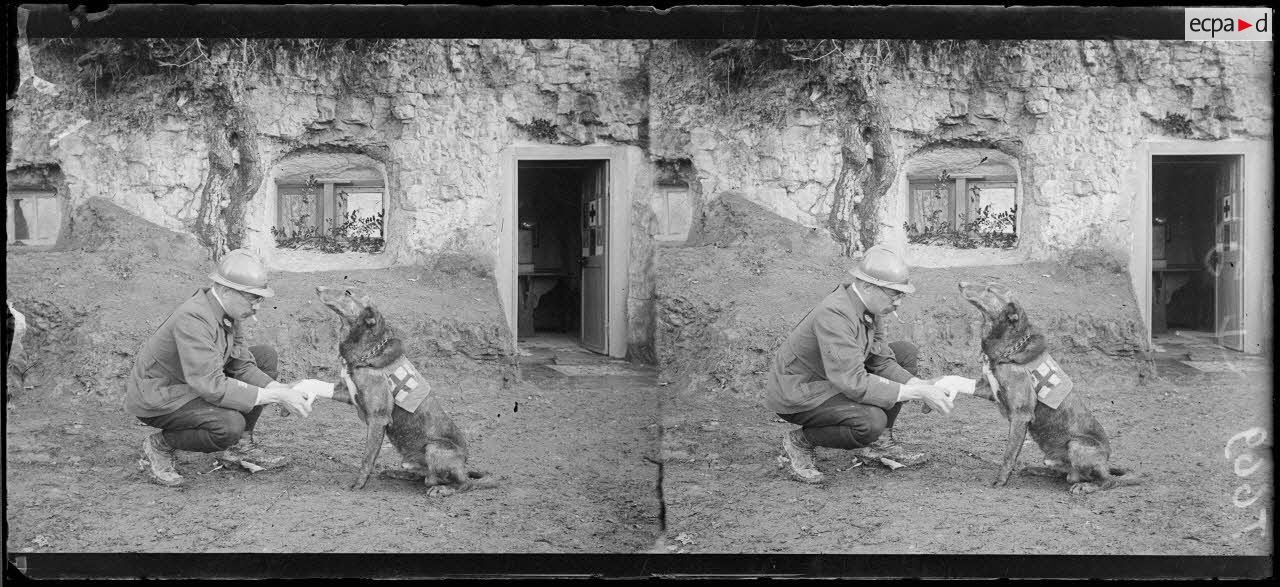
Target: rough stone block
x,y
959,104
72,145
1047,192
404,112
326,109
564,102
1083,188
587,104
1038,107
770,168
795,138
703,139
174,124
358,111
137,173
990,105
622,132
804,118
508,101
555,75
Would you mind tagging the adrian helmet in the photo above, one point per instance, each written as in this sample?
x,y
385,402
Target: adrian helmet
x,y
241,270
881,266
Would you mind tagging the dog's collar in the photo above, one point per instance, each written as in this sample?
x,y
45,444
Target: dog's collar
x,y
370,354
1017,347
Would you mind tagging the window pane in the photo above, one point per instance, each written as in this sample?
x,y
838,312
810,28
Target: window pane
x,y
660,211
930,205
680,214
1001,198
297,210
674,214
365,205
11,223
48,219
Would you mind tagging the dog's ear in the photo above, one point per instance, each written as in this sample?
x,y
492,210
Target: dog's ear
x,y
369,316
1012,312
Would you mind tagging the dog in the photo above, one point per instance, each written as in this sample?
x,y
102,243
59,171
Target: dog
x,y
384,387
1035,395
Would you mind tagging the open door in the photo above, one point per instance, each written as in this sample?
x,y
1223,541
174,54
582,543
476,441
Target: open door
x,y
1226,262
595,273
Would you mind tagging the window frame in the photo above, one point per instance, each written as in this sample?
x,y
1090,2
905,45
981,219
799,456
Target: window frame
x,y
34,194
664,193
325,210
958,213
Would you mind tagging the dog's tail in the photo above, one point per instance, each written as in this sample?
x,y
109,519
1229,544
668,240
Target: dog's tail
x,y
1120,477
478,480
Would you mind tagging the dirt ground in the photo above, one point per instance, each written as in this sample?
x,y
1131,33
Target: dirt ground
x,y
726,492
574,454
726,305
575,450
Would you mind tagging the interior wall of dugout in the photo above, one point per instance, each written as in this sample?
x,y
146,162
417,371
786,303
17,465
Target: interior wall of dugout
x,y
1183,241
558,228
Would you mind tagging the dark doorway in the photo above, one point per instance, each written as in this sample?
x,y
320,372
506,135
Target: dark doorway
x,y
1195,210
553,199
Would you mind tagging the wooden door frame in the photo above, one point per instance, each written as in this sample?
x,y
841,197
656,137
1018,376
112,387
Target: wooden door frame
x,y
1256,241
617,236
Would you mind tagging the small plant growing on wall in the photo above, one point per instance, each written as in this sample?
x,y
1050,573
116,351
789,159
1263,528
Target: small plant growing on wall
x,y
358,234
1176,124
985,229
355,233
541,129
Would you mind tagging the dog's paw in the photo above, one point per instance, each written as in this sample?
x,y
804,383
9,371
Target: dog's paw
x,y
402,474
1083,488
440,491
358,482
1000,481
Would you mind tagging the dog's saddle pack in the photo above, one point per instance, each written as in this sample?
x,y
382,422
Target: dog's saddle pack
x,y
408,386
1049,381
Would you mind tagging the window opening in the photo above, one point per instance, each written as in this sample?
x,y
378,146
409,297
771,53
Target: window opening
x,y
331,215
32,217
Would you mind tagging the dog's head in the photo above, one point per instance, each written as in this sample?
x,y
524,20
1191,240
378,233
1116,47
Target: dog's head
x,y
994,300
349,303
1008,329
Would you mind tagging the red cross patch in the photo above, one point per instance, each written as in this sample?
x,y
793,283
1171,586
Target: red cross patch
x,y
1050,383
407,386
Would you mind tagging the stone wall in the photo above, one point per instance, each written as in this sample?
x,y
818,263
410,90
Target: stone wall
x,y
197,150
1070,112
435,113
824,141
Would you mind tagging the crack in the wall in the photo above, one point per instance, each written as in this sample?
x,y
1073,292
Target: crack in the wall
x,y
662,500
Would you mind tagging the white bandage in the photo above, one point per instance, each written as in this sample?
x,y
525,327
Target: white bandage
x,y
955,384
315,387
